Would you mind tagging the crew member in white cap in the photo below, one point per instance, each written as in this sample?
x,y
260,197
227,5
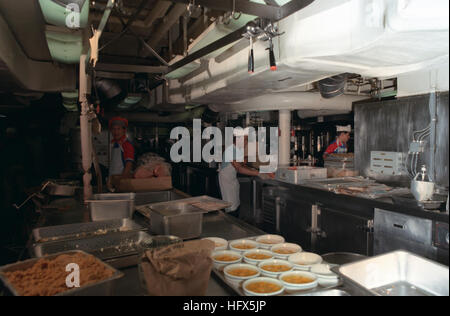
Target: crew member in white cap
x,y
228,181
339,146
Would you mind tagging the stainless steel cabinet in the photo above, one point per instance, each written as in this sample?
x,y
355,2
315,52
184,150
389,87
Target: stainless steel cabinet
x,y
343,232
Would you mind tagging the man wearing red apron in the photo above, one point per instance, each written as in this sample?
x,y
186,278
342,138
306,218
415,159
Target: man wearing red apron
x,y
122,151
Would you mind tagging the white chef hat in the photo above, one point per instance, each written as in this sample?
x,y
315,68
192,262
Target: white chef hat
x,y
346,129
241,132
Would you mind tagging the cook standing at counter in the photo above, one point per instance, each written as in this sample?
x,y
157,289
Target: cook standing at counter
x,y
339,146
228,181
122,151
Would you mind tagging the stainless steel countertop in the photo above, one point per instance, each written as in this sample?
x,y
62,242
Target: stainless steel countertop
x,y
215,224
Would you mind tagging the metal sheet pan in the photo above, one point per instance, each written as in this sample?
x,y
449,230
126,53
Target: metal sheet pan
x,y
203,204
318,291
84,230
103,288
110,247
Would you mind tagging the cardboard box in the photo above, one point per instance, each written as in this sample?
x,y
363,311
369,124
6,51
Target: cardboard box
x,y
144,185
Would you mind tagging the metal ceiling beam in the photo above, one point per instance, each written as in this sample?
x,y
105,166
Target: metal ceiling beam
x,y
282,12
224,41
174,14
244,6
131,68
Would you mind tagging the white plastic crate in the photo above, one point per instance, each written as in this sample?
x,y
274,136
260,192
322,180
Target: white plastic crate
x,y
298,174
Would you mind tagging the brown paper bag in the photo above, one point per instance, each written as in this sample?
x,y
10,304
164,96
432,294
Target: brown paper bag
x,y
178,270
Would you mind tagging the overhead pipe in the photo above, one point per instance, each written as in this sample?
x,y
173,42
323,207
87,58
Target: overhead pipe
x,y
137,117
290,101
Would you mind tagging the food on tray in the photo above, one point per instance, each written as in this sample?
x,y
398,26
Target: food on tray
x,y
258,256
48,277
242,272
297,279
243,246
226,258
285,251
276,268
263,287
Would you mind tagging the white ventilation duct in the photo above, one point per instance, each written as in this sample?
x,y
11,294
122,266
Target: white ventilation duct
x,y
305,101
373,38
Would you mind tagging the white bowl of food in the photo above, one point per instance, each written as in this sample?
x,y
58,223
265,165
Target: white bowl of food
x,y
283,251
274,268
326,277
223,258
268,241
294,281
303,261
257,256
221,244
263,287
243,245
238,273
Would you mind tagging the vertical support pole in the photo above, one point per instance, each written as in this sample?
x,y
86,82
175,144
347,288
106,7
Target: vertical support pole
x,y
285,138
86,129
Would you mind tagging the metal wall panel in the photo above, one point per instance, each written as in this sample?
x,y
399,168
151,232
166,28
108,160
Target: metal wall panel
x,y
388,126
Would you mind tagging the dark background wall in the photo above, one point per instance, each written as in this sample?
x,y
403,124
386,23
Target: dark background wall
x,y
389,126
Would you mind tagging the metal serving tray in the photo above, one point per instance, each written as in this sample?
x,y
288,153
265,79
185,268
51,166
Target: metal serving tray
x,y
103,288
104,207
83,230
175,218
318,291
398,273
119,249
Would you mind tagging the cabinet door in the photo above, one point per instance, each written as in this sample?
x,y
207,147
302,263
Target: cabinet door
x,y
341,232
295,222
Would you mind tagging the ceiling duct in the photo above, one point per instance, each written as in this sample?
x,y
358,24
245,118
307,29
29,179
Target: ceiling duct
x,y
109,89
333,87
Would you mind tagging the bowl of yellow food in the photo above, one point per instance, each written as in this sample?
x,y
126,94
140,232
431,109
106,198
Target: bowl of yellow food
x,y
221,244
303,261
273,268
283,251
223,258
263,287
243,245
268,241
298,281
257,256
237,273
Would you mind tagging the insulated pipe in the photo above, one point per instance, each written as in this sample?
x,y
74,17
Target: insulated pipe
x,y
290,101
284,155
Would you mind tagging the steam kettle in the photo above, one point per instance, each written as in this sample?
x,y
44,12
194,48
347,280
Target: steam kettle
x,y
422,187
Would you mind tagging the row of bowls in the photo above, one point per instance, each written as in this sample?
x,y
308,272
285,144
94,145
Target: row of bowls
x,y
298,263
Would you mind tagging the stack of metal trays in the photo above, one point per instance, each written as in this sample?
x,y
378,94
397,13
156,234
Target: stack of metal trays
x,y
120,250
118,242
83,230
